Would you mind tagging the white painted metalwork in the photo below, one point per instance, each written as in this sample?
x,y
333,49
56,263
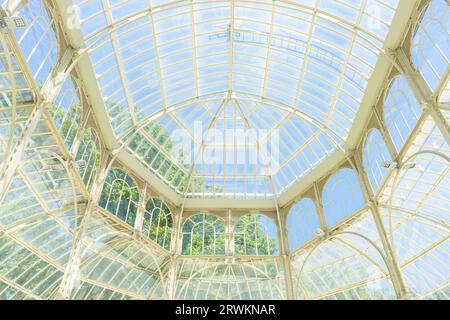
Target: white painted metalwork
x,y
97,201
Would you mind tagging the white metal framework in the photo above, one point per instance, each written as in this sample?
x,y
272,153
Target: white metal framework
x,y
260,149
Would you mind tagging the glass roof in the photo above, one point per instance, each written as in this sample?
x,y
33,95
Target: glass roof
x,y
224,99
293,72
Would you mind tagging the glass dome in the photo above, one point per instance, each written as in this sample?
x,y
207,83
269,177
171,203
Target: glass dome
x,y
221,75
262,149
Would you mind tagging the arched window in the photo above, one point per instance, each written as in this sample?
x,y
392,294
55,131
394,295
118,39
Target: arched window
x,y
38,41
203,234
301,223
120,195
375,153
158,223
88,156
255,234
401,111
66,111
341,196
431,43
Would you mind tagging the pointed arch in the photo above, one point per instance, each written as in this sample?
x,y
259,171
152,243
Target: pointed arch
x,y
158,222
203,234
302,222
120,195
255,234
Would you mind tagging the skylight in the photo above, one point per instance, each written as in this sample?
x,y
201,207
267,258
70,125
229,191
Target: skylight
x,y
296,70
